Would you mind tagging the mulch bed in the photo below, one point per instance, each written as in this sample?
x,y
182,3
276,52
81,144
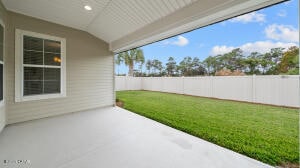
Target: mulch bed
x,y
119,103
288,165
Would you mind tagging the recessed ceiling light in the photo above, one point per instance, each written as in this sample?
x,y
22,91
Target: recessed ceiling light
x,y
87,7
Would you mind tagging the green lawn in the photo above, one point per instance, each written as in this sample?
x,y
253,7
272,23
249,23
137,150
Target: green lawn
x,y
266,133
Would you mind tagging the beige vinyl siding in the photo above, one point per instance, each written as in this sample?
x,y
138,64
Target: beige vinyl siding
x,y
3,17
89,72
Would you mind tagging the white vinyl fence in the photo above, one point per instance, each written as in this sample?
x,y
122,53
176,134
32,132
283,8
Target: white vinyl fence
x,y
273,89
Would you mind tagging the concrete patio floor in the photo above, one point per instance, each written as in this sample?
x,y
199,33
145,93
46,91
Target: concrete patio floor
x,y
110,138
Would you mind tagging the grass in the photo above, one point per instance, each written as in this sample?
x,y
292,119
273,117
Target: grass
x,y
266,133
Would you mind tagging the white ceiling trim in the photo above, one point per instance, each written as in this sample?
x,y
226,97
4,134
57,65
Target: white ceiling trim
x,y
219,13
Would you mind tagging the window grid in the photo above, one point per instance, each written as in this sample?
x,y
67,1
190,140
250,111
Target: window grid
x,y
42,51
28,65
41,66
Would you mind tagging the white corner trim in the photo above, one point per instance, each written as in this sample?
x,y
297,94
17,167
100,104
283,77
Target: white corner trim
x,y
18,63
19,76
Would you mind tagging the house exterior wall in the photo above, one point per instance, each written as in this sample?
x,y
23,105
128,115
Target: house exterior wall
x,y
89,72
3,18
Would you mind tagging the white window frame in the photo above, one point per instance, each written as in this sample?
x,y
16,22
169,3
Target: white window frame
x,y
2,62
19,67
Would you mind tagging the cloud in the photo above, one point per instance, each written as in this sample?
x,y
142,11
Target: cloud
x,y
250,17
216,50
180,41
258,46
285,33
282,13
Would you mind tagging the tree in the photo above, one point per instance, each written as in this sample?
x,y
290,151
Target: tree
x,y
171,66
154,67
191,67
232,60
290,61
197,67
185,66
130,58
265,62
276,55
210,64
270,60
149,66
118,61
252,63
157,65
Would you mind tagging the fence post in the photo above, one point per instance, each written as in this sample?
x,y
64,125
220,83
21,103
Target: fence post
x,y
253,88
162,84
211,87
126,83
282,93
182,85
152,79
142,83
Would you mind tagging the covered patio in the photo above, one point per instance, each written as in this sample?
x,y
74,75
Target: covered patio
x,y
57,63
111,137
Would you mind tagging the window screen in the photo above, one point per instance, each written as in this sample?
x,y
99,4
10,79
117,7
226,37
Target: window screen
x,y
42,66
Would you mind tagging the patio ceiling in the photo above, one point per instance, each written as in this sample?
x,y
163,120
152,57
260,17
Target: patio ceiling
x,y
126,24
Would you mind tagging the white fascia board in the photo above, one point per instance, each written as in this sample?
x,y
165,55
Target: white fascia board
x,y
171,26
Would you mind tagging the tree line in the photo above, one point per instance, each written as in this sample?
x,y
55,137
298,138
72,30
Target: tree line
x,y
236,62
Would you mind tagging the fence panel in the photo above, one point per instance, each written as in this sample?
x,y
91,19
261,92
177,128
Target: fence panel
x,y
172,85
278,90
120,83
198,86
275,89
290,92
147,83
233,88
128,83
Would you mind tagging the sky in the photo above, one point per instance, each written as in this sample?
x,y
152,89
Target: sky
x,y
275,26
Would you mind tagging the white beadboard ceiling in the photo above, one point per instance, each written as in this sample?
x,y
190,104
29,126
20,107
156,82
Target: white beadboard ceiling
x,y
108,19
116,21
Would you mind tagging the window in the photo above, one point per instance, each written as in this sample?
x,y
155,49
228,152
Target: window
x,y
40,66
1,61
